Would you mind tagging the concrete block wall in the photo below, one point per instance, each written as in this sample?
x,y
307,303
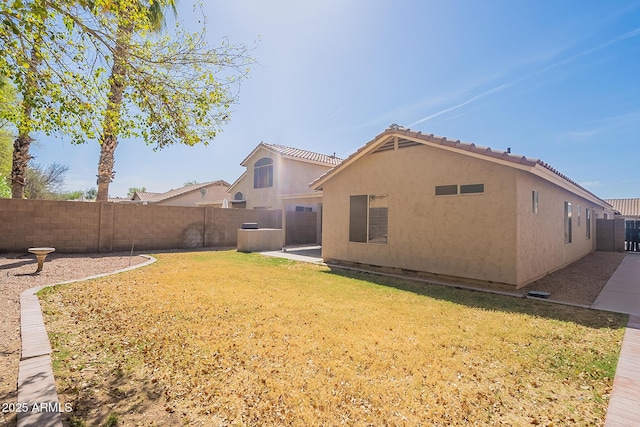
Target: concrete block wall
x,y
84,227
70,227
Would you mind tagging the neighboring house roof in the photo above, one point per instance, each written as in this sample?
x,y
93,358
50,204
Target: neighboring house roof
x,y
144,196
161,197
297,154
408,137
118,199
626,207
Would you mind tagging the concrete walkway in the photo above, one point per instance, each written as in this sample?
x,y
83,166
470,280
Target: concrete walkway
x,y
622,292
312,254
622,295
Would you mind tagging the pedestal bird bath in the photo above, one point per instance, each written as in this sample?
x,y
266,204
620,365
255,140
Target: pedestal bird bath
x,y
41,254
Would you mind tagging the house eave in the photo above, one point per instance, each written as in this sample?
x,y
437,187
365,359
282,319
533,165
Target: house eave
x,y
531,165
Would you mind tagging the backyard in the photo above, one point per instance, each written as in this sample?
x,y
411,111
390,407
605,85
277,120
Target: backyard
x,y
226,338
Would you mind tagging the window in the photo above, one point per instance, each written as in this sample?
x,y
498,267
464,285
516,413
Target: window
x,y
446,190
263,173
534,202
303,209
238,196
588,224
471,188
452,190
368,219
378,219
567,222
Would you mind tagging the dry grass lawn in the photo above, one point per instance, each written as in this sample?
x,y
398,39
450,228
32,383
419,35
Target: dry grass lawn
x,y
225,338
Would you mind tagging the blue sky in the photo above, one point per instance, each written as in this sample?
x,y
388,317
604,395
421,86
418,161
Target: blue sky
x,y
554,80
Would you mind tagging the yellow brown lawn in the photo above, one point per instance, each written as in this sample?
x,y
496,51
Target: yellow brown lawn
x,y
226,338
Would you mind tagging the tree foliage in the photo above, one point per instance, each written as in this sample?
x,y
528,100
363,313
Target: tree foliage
x,y
7,109
66,58
40,55
91,193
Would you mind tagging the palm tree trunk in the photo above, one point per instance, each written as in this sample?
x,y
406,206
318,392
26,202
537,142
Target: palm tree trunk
x,y
109,138
21,144
21,159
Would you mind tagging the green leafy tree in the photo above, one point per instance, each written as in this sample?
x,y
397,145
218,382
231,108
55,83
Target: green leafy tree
x,y
71,195
6,150
91,193
164,90
7,109
135,17
91,69
42,56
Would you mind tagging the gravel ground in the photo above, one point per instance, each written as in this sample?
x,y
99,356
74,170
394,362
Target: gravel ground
x,y
16,275
578,283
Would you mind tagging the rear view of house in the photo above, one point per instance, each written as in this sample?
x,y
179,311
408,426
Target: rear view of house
x,y
410,201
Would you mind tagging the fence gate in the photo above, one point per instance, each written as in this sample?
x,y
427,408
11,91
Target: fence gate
x,y
632,236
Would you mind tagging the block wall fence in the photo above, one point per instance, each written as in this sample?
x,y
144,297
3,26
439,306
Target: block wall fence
x,y
100,227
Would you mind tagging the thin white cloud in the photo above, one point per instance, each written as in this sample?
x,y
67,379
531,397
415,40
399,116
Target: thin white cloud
x,y
467,102
338,111
591,184
606,125
622,37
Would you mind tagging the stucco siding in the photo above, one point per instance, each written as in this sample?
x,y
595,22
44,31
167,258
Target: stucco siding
x,y
261,197
541,236
463,235
294,176
289,177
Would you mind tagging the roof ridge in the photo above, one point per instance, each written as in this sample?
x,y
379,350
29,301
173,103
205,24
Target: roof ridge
x,y
395,129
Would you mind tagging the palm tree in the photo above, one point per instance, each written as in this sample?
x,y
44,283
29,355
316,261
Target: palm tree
x,y
154,11
23,139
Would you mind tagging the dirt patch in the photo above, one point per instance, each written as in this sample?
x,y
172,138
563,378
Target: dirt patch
x,y
15,277
580,282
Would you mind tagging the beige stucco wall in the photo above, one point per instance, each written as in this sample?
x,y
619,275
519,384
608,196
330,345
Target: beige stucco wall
x,y
289,177
492,236
264,239
541,246
471,236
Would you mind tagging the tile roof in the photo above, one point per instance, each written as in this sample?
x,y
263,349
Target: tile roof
x,y
297,153
395,130
159,197
146,196
626,207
